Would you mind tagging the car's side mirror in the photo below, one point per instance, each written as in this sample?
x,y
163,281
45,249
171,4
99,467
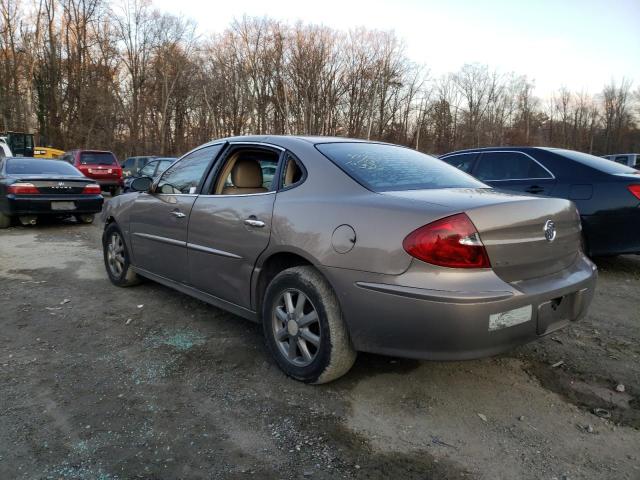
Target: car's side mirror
x,y
141,184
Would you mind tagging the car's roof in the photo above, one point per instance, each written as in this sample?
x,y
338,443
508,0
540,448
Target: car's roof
x,y
503,148
286,140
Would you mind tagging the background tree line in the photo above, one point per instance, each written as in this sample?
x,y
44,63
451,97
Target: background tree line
x,y
126,77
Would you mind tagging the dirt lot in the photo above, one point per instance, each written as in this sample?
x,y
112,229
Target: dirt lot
x,y
98,382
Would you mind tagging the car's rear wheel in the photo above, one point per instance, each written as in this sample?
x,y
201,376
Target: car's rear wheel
x,y
304,328
5,220
85,218
116,258
115,191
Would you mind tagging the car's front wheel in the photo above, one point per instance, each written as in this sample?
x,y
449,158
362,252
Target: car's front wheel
x,y
116,258
304,328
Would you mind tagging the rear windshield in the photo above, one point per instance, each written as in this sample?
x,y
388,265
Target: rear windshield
x,y
23,166
599,163
386,167
97,158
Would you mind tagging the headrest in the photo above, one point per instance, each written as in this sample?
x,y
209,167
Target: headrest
x,y
246,173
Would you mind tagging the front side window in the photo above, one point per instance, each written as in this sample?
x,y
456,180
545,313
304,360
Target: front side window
x,y
148,169
186,175
509,166
462,161
382,168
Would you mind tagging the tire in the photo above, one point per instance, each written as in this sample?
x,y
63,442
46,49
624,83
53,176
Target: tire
x,y
86,218
115,253
5,220
115,191
292,329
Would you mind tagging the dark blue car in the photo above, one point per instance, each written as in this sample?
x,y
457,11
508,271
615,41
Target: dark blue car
x,y
607,194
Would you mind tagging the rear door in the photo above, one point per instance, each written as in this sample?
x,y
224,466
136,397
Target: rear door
x,y
159,220
514,171
230,226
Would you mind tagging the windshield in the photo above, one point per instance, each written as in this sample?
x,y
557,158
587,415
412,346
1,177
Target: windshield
x,y
387,167
25,166
599,163
97,158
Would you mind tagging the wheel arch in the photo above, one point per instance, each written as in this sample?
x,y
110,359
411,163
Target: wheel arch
x,y
271,266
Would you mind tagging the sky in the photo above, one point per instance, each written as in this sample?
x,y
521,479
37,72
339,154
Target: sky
x,y
579,44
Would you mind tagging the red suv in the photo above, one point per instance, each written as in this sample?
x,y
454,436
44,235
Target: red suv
x,y
100,165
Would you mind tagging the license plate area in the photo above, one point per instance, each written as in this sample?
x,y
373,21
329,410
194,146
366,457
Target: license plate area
x,y
58,206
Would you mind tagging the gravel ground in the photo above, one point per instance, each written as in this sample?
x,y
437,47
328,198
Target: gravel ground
x,y
98,382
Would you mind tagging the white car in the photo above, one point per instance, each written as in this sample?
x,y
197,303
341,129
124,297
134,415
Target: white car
x,y
629,159
5,151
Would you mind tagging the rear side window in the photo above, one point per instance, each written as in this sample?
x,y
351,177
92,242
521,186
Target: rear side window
x,y
387,167
97,158
462,161
622,160
16,166
509,166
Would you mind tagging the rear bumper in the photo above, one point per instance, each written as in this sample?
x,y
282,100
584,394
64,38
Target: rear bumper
x,y
42,204
391,315
613,232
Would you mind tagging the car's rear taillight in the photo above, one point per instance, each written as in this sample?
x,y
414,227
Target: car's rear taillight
x,y
92,189
23,188
449,242
635,190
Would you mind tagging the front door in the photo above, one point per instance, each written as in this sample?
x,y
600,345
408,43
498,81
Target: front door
x,y
231,226
514,171
159,220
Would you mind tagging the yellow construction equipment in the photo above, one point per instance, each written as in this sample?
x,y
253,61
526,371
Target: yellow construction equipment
x,y
46,152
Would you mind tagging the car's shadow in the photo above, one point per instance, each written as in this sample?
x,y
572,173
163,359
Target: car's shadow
x,y
619,264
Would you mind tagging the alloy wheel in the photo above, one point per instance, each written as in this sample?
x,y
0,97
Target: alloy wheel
x,y
115,254
296,328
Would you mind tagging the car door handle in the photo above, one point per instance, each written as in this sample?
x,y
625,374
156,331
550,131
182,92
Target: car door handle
x,y
252,222
534,189
177,214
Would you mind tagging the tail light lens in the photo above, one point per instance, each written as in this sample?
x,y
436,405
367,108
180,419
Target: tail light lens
x,y
635,190
92,189
449,242
23,188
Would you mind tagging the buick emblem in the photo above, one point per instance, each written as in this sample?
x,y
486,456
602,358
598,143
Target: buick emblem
x,y
61,184
550,230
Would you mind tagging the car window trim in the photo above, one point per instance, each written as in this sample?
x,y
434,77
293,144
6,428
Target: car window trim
x,y
212,176
479,159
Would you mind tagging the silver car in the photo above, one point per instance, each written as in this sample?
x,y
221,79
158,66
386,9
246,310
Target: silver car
x,y
352,246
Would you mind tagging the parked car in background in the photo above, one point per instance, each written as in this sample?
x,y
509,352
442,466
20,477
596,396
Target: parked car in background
x,y
5,151
132,165
152,169
102,166
32,187
628,159
352,246
607,194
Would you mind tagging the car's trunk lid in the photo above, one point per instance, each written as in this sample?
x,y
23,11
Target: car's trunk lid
x,y
512,228
55,185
